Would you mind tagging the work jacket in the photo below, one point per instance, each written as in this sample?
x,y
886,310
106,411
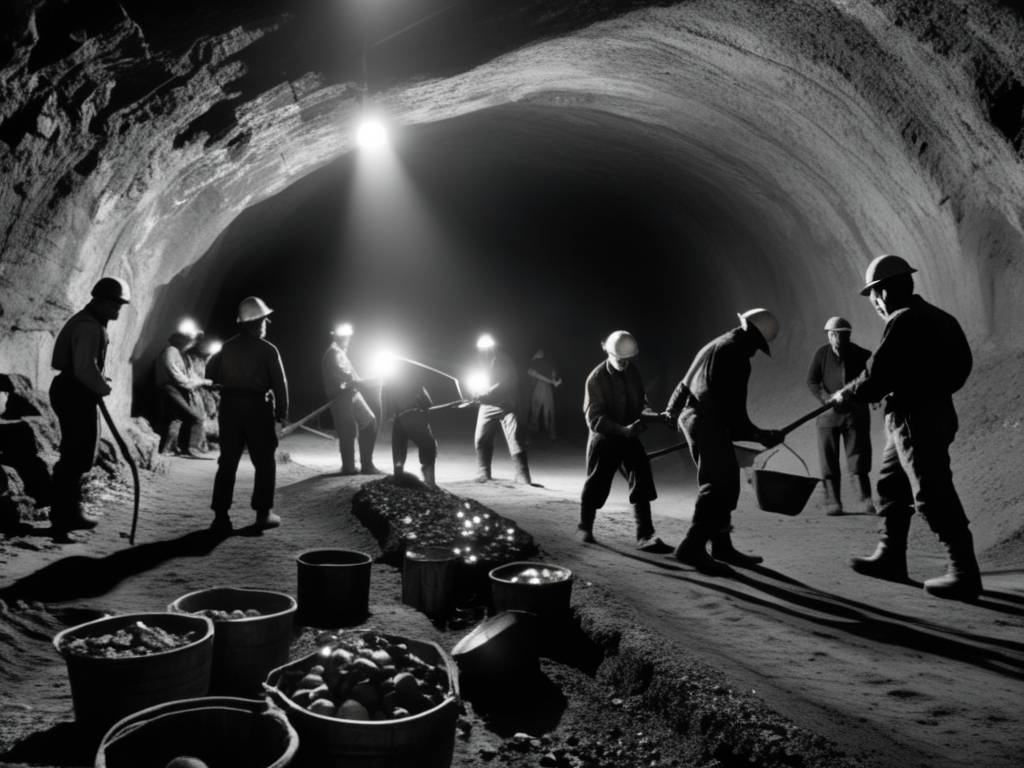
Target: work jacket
x,y
828,374
502,371
248,366
613,399
715,385
171,369
922,360
403,392
337,372
81,350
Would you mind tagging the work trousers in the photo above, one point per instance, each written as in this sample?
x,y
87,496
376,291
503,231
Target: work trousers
x,y
607,455
916,474
718,473
77,410
246,421
856,437
354,418
488,419
185,408
415,426
542,409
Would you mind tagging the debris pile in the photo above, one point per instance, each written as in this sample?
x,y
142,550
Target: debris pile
x,y
137,639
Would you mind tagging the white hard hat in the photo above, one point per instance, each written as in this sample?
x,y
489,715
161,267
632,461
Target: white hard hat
x,y
766,324
113,288
839,324
621,344
882,268
343,329
189,328
252,308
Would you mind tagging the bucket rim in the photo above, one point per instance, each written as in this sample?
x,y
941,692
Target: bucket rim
x,y
494,576
205,622
365,559
175,606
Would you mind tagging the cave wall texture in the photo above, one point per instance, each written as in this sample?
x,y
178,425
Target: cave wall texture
x,y
132,134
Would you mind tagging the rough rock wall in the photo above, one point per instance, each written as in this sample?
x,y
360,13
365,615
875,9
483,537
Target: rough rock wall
x,y
848,126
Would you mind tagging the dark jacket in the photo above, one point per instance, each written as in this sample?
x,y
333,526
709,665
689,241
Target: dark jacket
x,y
613,399
716,384
828,374
81,350
337,371
502,371
922,360
249,366
402,393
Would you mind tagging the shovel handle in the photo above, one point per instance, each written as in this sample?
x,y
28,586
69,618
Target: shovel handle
x,y
807,417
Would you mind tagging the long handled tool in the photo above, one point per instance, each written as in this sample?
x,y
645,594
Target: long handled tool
x,y
131,464
309,416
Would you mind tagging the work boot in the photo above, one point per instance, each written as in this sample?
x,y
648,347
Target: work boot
x,y
522,468
367,439
585,529
653,545
863,486
399,470
348,458
221,524
963,577
723,550
585,534
428,475
833,500
483,461
267,519
888,561
692,551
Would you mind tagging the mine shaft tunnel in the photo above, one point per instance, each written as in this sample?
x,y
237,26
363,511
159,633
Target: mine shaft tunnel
x,y
655,167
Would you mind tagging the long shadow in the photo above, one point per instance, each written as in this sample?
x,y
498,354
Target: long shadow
x,y
658,561
857,622
83,576
63,745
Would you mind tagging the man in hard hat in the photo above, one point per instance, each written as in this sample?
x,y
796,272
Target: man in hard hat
x,y
353,417
499,404
404,399
922,360
709,406
835,365
542,399
614,402
79,354
253,408
179,395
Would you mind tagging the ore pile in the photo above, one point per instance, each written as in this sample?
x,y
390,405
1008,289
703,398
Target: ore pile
x,y
404,514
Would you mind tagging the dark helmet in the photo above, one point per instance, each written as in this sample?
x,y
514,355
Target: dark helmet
x,y
112,288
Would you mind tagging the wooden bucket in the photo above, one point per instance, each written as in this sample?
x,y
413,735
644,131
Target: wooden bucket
x,y
334,587
428,580
548,600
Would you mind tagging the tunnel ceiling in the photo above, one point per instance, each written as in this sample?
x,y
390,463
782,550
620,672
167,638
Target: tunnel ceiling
x,y
132,134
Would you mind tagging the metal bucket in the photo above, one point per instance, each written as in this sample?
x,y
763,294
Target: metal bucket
x,y
220,731
501,652
746,453
334,587
782,492
428,580
548,600
104,690
244,650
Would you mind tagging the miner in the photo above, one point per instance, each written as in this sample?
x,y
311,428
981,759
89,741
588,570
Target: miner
x,y
254,395
404,399
498,396
353,417
542,399
709,406
180,400
614,402
922,360
834,365
79,354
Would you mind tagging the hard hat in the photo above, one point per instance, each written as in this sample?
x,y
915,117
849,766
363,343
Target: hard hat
x,y
188,328
343,329
252,308
766,324
113,288
838,324
486,341
621,344
882,268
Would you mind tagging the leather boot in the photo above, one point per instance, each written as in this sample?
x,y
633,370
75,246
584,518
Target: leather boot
x,y
862,483
522,468
348,458
963,578
221,523
888,561
367,439
428,475
585,529
483,461
267,519
399,470
833,499
692,550
723,550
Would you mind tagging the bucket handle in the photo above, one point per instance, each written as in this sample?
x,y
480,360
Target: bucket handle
x,y
768,455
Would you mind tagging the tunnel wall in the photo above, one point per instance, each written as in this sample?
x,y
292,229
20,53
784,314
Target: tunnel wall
x,y
854,128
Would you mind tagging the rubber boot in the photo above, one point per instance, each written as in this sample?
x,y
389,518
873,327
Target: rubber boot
x,y
522,468
367,439
428,475
692,550
399,470
585,529
723,550
889,560
348,458
833,499
484,453
267,519
866,506
963,578
221,523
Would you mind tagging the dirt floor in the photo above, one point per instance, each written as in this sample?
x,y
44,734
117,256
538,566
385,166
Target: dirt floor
x,y
892,676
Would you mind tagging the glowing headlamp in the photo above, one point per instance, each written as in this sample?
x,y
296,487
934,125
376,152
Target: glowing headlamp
x,y
343,329
188,327
486,341
477,383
